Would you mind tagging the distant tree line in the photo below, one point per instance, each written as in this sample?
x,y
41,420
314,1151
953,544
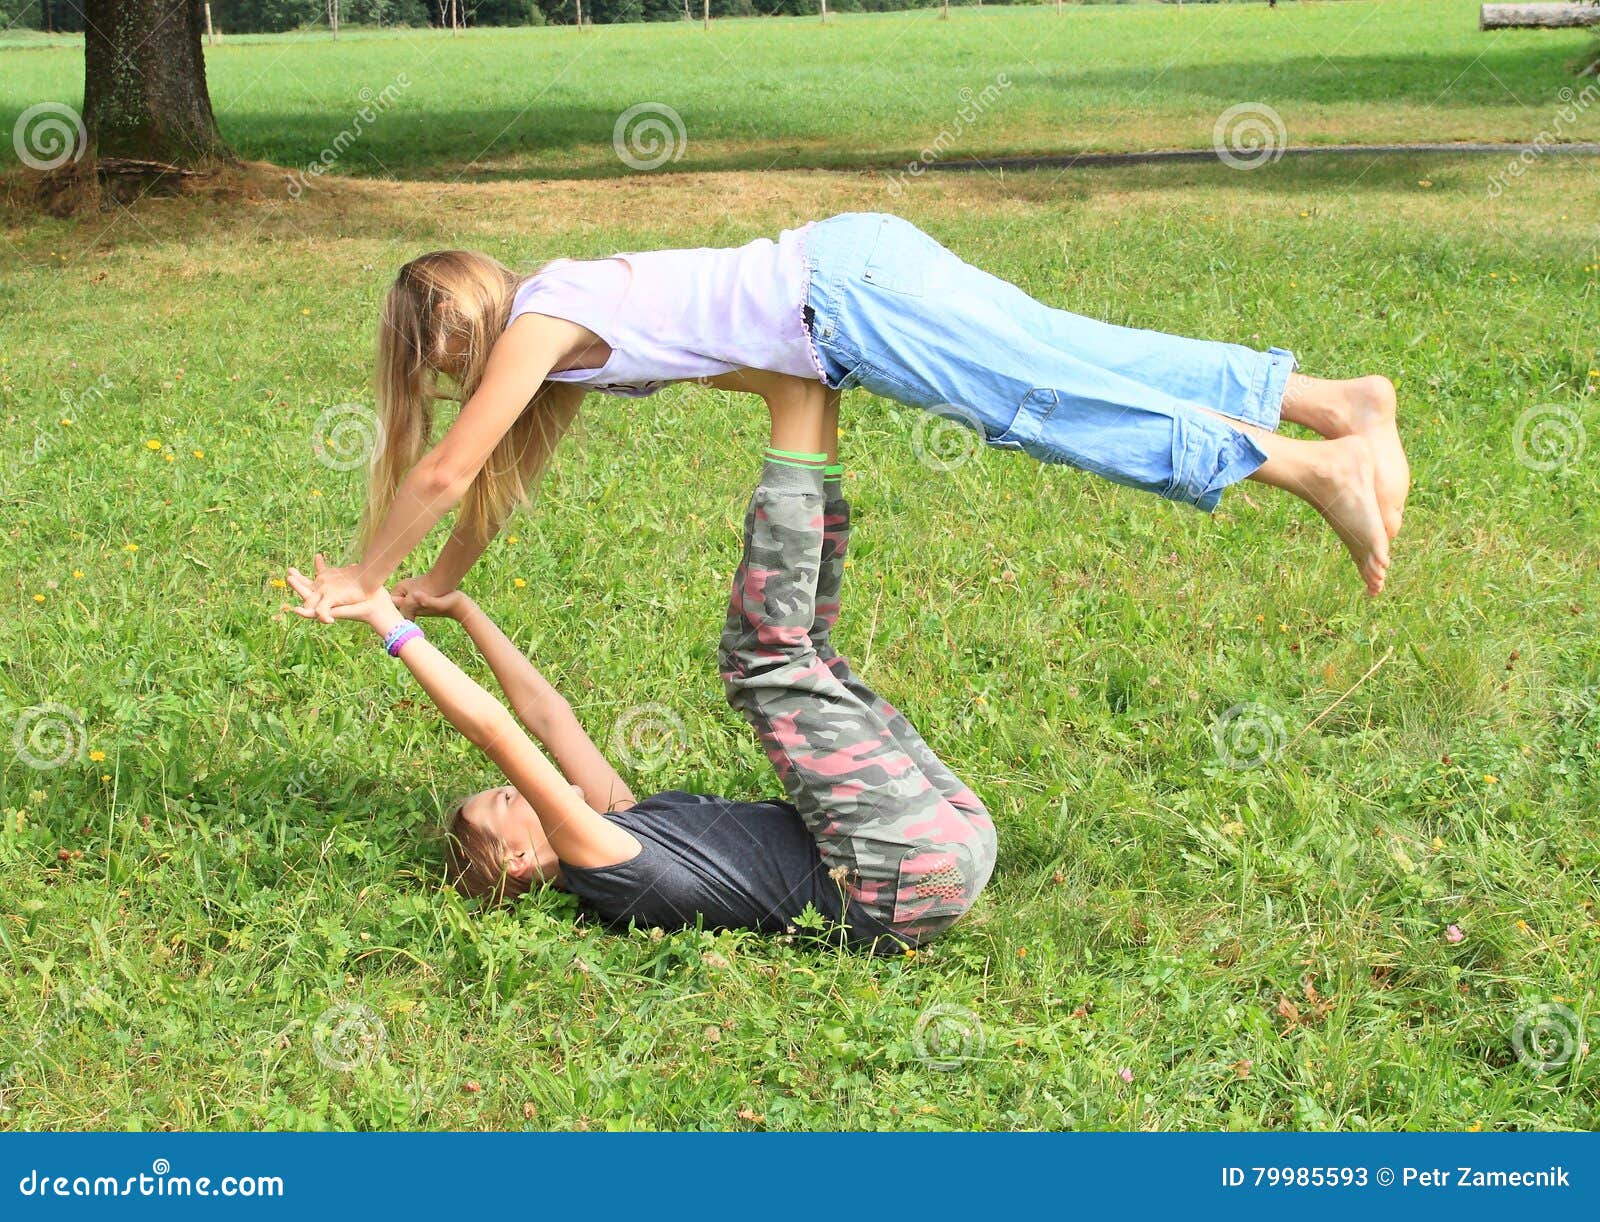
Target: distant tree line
x,y
273,16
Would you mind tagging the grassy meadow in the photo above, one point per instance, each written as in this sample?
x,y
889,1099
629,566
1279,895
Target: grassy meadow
x,y
1272,854
871,89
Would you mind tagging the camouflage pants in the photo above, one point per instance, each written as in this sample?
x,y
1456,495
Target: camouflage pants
x,y
909,843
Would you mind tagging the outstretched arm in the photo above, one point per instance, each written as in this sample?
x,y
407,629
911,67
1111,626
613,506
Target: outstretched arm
x,y
537,704
561,400
579,835
521,358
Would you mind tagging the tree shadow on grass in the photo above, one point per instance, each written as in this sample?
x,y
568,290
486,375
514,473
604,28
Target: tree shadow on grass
x,y
549,139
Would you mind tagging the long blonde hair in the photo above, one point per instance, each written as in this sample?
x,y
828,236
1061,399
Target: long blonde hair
x,y
461,297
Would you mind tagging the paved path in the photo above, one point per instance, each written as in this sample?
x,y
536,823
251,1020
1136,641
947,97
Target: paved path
x,y
1094,160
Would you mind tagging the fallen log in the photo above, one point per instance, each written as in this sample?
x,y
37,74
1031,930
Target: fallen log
x,y
1546,16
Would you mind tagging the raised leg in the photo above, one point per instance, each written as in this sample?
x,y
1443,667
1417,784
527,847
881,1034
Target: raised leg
x,y
910,861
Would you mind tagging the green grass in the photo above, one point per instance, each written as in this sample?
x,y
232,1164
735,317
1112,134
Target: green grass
x,y
872,89
1261,947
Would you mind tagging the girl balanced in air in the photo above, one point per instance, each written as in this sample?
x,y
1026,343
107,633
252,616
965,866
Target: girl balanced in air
x,y
857,300
877,836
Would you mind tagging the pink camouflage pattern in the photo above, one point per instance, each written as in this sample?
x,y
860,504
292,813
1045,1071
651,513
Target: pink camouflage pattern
x,y
909,843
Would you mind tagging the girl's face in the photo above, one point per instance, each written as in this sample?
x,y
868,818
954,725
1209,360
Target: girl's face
x,y
504,815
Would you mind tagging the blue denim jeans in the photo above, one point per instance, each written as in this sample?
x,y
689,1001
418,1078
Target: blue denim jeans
x,y
896,313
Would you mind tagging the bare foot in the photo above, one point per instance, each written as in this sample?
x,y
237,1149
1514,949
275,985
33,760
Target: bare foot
x,y
1364,407
1343,488
1372,415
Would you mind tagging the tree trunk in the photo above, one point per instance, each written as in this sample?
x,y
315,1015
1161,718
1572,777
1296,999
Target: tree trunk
x,y
1518,16
144,87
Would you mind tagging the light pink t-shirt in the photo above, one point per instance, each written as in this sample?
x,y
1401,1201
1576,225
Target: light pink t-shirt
x,y
670,315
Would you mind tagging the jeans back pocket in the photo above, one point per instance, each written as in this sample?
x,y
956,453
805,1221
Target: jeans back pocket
x,y
899,258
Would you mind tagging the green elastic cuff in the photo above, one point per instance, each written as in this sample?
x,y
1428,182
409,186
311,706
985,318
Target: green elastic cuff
x,y
796,457
833,471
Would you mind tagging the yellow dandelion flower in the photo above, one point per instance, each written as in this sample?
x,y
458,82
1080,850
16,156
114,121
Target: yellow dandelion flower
x,y
1522,925
519,583
131,547
511,538
1489,778
38,598
278,583
105,776
199,453
66,423
1438,844
152,444
1475,1127
97,756
316,492
168,457
78,573
305,312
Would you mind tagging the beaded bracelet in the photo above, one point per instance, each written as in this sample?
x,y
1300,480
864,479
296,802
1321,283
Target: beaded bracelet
x,y
399,635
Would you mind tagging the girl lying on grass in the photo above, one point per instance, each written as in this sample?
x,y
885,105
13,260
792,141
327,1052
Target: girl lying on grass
x,y
877,834
862,299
